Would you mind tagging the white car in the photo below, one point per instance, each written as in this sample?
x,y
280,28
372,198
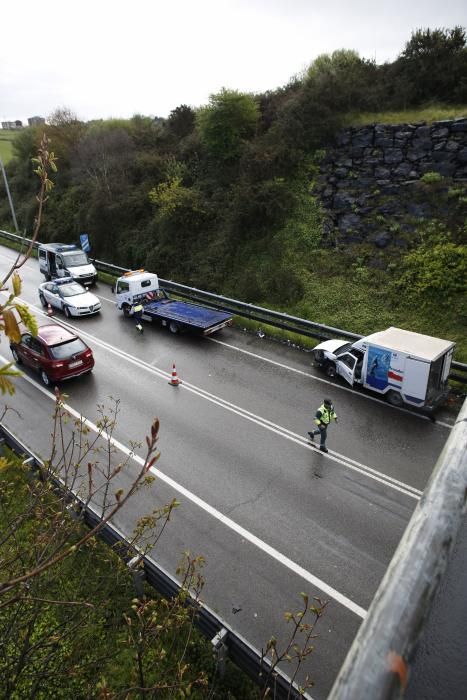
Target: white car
x,y
69,296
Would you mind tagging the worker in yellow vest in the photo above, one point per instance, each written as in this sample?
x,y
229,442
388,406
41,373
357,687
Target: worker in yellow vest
x,y
137,313
324,415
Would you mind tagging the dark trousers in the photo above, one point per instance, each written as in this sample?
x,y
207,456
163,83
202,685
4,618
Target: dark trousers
x,y
322,432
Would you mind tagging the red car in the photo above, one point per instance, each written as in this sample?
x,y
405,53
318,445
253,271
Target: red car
x,y
56,353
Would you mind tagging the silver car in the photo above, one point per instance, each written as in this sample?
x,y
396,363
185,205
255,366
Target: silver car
x,y
69,296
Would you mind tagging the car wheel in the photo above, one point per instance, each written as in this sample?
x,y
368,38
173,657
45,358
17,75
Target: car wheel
x,y
330,369
394,398
42,299
45,377
16,357
126,310
67,311
174,327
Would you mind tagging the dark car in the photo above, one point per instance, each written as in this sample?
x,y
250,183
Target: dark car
x,y
56,353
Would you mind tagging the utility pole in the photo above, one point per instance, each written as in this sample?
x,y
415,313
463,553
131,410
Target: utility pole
x,y
9,197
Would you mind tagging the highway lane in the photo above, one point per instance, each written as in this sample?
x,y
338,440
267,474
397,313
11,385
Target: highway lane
x,y
287,397
328,517
242,572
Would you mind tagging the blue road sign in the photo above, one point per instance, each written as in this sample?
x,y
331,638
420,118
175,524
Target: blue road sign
x,y
85,245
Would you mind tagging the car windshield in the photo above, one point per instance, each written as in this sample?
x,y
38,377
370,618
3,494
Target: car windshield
x,y
343,348
66,350
74,259
71,290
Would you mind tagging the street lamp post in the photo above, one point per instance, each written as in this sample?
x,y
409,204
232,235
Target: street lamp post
x,y
9,197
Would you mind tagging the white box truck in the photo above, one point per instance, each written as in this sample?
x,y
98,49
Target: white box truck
x,y
406,367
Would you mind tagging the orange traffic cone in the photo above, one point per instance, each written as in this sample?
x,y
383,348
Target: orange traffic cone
x,y
49,310
175,381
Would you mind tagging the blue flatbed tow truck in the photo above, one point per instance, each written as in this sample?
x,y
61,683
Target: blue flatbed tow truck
x,y
140,287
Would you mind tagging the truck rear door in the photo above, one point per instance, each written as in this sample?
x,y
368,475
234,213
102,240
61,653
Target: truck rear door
x,y
415,382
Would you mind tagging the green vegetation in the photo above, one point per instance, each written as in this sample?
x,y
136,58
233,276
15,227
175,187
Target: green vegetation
x,y
426,114
7,137
71,634
222,198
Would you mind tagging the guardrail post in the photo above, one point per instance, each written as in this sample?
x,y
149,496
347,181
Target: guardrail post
x,y
220,650
74,510
137,575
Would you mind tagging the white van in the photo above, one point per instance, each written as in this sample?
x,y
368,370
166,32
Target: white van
x,y
60,260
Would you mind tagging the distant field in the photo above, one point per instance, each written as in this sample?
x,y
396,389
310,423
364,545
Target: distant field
x,y
6,138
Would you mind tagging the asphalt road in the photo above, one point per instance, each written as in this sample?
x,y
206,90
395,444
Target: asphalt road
x,y
272,515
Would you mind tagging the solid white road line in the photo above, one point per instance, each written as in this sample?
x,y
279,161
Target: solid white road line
x,y
323,380
349,463
213,512
313,377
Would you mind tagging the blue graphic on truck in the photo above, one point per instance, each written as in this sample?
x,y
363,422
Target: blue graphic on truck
x,y
379,362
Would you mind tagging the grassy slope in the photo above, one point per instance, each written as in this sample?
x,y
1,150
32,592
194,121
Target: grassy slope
x,y
341,290
428,114
6,150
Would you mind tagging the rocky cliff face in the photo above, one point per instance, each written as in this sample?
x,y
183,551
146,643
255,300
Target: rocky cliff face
x,y
372,182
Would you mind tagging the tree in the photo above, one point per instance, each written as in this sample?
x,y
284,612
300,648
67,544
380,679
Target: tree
x,y
181,121
102,158
52,633
434,61
64,129
342,80
230,119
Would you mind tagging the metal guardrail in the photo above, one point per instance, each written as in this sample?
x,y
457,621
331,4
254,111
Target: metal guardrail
x,y
375,666
277,319
240,652
388,636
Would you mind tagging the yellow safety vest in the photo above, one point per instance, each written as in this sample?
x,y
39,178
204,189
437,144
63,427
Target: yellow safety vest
x,y
326,415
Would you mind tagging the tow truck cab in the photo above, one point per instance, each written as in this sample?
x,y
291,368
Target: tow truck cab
x,y
135,286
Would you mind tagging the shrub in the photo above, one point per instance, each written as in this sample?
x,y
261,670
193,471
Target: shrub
x,y
431,178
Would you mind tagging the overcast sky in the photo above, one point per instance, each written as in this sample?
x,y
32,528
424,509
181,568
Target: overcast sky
x,y
115,58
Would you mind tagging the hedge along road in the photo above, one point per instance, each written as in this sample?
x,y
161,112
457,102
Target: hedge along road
x,y
272,516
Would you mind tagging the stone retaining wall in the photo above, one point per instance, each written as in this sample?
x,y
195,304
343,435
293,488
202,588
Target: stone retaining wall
x,y
364,175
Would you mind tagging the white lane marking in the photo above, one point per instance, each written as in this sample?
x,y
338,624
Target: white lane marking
x,y
111,301
228,522
289,368
324,381
349,463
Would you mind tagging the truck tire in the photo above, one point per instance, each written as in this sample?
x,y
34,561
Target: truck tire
x,y
394,398
174,327
126,310
330,369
